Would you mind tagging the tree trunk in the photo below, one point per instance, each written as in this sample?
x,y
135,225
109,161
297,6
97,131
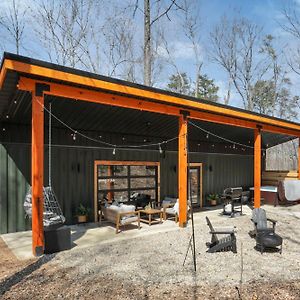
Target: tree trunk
x,y
147,43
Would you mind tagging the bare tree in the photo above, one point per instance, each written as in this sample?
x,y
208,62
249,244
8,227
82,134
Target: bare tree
x,y
161,9
65,33
235,47
119,47
291,25
191,27
13,22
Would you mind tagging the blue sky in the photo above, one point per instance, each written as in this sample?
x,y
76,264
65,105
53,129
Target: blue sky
x,y
265,13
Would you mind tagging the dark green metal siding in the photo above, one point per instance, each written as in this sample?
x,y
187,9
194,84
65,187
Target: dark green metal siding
x,y
13,187
72,176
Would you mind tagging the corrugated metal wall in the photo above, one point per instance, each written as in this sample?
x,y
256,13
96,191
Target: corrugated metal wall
x,y
72,176
13,187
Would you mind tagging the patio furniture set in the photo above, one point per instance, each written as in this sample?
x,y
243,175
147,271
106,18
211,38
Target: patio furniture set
x,y
124,214
265,236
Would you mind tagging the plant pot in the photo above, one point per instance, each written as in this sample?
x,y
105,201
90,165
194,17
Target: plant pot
x,y
213,202
82,219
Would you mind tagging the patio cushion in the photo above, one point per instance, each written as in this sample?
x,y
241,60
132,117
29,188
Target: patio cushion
x,y
127,208
127,220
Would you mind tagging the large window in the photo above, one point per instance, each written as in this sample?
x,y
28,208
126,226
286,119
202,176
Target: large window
x,y
119,180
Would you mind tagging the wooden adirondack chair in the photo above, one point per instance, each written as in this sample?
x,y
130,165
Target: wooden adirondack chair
x,y
226,243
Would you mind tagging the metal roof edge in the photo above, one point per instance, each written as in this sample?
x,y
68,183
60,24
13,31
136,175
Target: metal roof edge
x,y
41,63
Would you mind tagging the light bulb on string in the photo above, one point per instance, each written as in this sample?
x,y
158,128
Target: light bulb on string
x,y
207,135
233,146
114,151
160,150
74,135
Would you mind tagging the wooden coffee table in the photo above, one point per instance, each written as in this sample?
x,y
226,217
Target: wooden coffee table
x,y
150,213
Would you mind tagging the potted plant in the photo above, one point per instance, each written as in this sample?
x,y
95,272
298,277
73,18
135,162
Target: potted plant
x,y
82,213
213,199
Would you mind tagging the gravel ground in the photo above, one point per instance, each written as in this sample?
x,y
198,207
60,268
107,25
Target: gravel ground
x,y
151,267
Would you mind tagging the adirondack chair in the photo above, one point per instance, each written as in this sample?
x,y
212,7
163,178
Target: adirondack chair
x,y
260,221
226,243
265,236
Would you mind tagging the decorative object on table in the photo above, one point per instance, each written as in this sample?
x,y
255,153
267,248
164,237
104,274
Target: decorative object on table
x,y
213,199
226,243
148,206
82,213
265,236
232,201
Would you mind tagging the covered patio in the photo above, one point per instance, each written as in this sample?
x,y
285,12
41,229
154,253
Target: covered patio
x,y
101,118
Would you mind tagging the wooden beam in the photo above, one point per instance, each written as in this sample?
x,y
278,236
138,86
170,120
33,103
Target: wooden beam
x,y
75,93
257,167
37,174
182,170
299,158
141,92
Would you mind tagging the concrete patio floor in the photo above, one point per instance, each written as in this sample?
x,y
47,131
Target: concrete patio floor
x,y
87,235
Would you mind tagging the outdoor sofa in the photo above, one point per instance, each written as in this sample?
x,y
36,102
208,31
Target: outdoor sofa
x,y
121,215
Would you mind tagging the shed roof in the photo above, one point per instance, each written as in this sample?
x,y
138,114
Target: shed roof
x,y
13,66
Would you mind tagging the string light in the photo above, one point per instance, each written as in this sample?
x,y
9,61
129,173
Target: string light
x,y
74,135
208,133
114,151
102,142
233,146
7,116
220,137
160,150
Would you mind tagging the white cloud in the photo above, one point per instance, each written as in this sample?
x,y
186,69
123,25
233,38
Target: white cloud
x,y
180,50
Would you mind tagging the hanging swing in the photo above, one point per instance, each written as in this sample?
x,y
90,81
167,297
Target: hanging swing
x,y
52,216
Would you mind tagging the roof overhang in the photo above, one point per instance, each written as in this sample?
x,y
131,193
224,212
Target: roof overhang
x,y
20,73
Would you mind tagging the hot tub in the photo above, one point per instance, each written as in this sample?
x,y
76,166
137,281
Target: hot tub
x,y
268,193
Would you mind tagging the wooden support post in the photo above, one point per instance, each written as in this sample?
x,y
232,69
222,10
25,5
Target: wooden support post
x,y
182,171
37,174
299,158
257,167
